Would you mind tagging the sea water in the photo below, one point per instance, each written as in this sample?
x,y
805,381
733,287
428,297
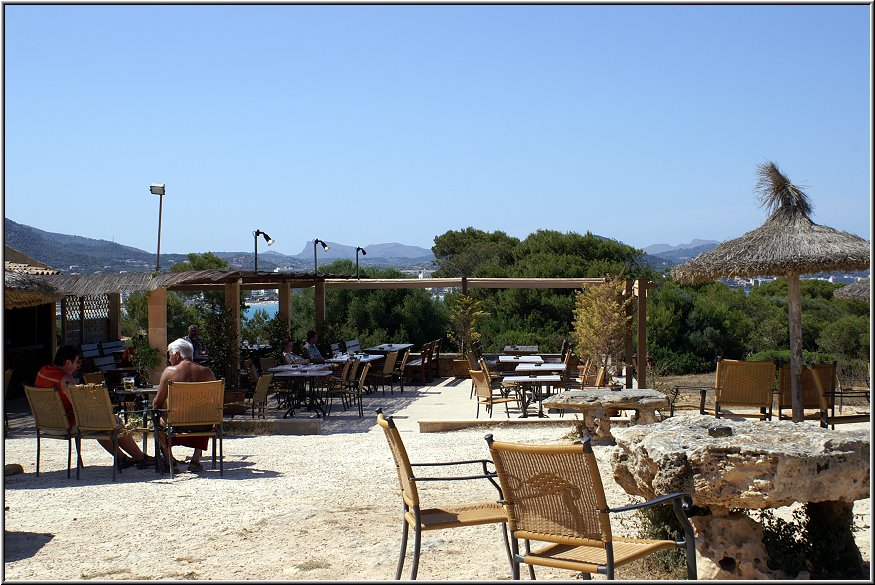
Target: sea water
x,y
271,309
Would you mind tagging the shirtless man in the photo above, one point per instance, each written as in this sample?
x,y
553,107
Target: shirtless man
x,y
182,369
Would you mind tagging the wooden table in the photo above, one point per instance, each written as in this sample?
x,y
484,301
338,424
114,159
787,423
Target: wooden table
x,y
533,385
595,403
307,374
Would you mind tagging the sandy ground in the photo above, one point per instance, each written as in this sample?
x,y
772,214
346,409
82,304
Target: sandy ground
x,y
322,507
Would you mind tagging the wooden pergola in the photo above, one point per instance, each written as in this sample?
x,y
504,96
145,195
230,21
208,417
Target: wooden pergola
x,y
232,282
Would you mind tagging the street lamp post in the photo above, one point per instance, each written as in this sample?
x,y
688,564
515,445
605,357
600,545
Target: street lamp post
x,y
357,250
324,247
267,239
158,189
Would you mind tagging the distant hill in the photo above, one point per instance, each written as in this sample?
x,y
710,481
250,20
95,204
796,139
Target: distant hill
x,y
79,255
661,249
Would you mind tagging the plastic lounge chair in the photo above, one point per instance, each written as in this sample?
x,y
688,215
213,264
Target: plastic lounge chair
x,y
486,394
422,519
194,409
554,494
51,420
95,420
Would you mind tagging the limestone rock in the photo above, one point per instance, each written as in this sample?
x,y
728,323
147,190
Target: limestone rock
x,y
763,464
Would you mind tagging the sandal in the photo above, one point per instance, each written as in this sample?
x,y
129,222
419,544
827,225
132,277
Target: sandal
x,y
125,463
194,466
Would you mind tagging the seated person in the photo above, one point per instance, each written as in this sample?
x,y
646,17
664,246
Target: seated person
x,y
197,343
59,375
182,369
312,352
290,355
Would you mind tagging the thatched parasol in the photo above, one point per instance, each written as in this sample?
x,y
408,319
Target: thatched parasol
x,y
26,290
787,244
857,291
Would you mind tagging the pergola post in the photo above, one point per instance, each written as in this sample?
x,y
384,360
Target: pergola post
x,y
157,311
115,329
232,303
641,366
285,305
319,305
630,348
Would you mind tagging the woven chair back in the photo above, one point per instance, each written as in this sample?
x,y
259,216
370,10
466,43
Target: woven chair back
x,y
817,382
262,387
195,403
362,381
47,408
353,369
403,365
389,362
409,493
266,363
344,371
553,492
93,408
744,383
481,384
481,363
600,377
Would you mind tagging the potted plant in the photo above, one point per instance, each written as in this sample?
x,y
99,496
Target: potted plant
x,y
465,315
145,358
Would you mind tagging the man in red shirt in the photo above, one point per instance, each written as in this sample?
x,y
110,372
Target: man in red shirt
x,y
59,375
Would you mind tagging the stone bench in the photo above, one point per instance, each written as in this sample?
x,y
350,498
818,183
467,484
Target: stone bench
x,y
595,404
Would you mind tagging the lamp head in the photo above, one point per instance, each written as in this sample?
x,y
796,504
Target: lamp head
x,y
270,241
362,250
157,188
318,241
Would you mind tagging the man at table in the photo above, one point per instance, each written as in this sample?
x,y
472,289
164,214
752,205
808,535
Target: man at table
x,y
197,344
311,351
59,375
182,369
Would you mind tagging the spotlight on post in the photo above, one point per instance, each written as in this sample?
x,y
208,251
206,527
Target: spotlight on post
x,y
324,247
267,238
158,189
364,253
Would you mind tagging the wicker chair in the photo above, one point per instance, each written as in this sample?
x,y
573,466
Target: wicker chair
x,y
486,394
51,420
554,494
95,419
257,402
94,377
194,409
421,519
357,390
816,381
338,386
747,384
421,363
435,358
386,373
399,370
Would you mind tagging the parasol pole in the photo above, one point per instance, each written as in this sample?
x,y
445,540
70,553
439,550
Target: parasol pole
x,y
794,314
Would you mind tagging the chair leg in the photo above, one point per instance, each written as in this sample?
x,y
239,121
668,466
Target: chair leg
x,y
503,527
531,567
405,528
69,454
115,467
221,452
515,560
170,453
79,463
37,455
417,547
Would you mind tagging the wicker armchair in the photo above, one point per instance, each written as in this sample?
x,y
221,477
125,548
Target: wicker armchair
x,y
357,390
259,398
737,383
816,381
421,519
489,396
95,420
338,386
399,370
51,420
554,494
194,409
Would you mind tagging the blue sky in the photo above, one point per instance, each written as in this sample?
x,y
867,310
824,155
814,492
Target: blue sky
x,y
372,124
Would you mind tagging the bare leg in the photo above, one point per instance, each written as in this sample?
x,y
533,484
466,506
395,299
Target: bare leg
x,y
196,456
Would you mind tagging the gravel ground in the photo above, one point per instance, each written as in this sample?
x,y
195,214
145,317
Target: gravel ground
x,y
323,507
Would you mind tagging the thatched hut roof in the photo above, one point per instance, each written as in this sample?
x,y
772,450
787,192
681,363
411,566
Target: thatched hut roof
x,y
781,245
856,291
22,290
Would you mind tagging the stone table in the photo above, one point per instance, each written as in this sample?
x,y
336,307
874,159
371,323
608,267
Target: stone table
x,y
763,464
596,402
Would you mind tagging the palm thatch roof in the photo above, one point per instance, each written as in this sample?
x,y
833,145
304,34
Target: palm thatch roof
x,y
22,290
857,291
787,242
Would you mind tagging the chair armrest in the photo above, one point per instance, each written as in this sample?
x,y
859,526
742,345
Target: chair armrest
x,y
685,500
455,477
